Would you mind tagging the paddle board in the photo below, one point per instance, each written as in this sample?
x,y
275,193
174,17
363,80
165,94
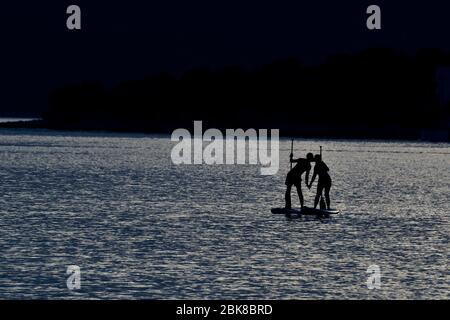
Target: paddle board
x,y
305,211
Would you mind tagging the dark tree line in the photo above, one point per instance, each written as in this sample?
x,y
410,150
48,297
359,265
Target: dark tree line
x,y
374,93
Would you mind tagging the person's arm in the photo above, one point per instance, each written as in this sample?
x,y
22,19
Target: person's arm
x,y
307,176
295,160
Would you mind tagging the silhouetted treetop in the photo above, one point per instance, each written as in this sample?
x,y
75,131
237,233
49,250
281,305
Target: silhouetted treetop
x,y
374,89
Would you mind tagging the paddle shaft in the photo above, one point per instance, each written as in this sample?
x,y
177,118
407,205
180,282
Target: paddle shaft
x,y
292,151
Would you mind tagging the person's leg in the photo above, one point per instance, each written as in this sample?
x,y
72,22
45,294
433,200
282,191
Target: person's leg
x,y
327,195
318,194
287,196
300,193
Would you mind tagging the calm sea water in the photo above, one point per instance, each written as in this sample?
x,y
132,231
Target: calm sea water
x,y
140,227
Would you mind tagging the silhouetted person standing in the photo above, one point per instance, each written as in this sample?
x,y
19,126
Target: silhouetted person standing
x,y
294,177
324,183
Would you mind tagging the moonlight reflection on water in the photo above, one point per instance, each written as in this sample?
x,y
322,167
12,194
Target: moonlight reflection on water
x,y
140,227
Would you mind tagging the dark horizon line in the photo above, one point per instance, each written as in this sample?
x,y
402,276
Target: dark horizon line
x,y
317,132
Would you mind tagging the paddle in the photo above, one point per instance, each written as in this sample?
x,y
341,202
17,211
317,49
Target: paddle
x,y
292,151
323,206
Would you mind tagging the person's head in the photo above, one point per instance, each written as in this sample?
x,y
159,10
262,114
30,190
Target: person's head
x,y
317,158
310,157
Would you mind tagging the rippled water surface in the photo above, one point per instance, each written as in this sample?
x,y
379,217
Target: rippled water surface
x,y
140,227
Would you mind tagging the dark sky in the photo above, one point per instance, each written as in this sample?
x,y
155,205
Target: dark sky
x,y
135,38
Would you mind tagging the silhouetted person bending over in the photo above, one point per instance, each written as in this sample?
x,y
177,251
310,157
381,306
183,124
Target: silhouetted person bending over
x,y
294,177
324,183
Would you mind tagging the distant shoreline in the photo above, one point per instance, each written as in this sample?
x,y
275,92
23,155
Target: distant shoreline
x,y
350,133
377,94
17,119
23,124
